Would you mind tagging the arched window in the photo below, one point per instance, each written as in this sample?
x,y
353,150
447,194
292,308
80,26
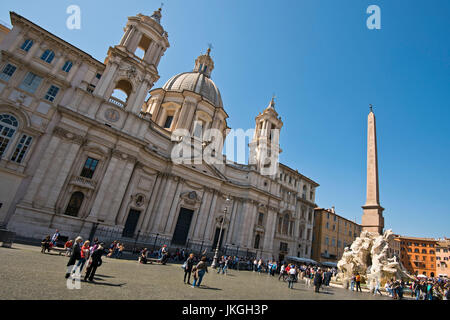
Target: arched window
x,y
67,66
8,127
121,93
257,239
48,56
75,202
26,46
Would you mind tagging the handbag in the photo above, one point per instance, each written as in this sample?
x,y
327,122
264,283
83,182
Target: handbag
x,y
184,266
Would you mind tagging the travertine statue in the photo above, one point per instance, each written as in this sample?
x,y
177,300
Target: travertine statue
x,y
369,256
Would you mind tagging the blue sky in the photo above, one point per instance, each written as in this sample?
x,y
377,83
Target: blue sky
x,y
325,67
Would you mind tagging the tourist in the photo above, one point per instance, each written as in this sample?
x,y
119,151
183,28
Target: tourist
x,y
188,265
352,283
221,264
76,256
273,269
85,253
94,263
55,237
282,271
165,255
68,247
225,265
45,244
260,265
200,269
255,265
318,280
429,287
120,250
377,287
291,271
143,256
388,288
358,282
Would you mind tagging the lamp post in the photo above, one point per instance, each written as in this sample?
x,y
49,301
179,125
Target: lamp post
x,y
154,244
214,264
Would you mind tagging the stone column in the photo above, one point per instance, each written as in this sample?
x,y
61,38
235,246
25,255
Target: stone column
x,y
201,213
151,203
166,224
211,217
232,221
39,175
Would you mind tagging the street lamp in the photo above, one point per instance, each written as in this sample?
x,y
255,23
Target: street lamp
x,y
154,244
214,264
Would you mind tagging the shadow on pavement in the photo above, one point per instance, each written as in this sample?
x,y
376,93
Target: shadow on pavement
x,y
105,284
209,288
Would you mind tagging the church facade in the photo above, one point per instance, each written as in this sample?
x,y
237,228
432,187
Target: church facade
x,y
77,157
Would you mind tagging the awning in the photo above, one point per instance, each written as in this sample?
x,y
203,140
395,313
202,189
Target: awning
x,y
329,264
302,260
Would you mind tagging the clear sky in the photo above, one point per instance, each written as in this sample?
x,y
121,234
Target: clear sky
x,y
325,67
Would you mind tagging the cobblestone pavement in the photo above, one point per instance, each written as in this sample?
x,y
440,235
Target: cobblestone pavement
x,y
28,274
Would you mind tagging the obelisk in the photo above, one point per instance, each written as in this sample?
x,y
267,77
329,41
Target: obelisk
x,y
372,219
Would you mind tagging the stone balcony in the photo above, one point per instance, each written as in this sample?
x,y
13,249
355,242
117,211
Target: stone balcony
x,y
83,182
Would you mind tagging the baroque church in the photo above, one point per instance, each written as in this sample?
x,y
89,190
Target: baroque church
x,y
77,157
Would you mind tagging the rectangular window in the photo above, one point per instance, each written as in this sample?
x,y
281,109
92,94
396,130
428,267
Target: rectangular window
x,y
260,219
30,83
168,122
22,147
89,168
51,93
7,72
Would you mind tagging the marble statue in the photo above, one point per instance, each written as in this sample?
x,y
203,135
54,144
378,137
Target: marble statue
x,y
369,256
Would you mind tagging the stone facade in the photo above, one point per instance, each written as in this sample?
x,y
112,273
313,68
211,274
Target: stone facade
x,y
84,148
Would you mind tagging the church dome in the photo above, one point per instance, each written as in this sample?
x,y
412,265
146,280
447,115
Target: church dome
x,y
197,81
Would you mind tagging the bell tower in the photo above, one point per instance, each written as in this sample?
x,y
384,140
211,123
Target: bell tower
x,y
265,145
131,66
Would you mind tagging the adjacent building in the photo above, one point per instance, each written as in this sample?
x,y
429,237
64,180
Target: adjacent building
x,y
442,257
418,255
86,147
332,233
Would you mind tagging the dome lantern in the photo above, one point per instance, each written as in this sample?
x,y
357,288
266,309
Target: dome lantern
x,y
204,64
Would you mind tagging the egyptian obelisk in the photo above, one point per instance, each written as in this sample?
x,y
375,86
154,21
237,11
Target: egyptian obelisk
x,y
372,219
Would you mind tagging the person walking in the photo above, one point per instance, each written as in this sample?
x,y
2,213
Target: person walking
x,y
94,263
282,271
85,253
318,280
358,282
200,269
75,256
188,265
377,287
292,271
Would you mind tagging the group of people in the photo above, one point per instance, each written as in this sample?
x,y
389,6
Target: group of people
x,y
116,249
198,270
82,252
430,289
